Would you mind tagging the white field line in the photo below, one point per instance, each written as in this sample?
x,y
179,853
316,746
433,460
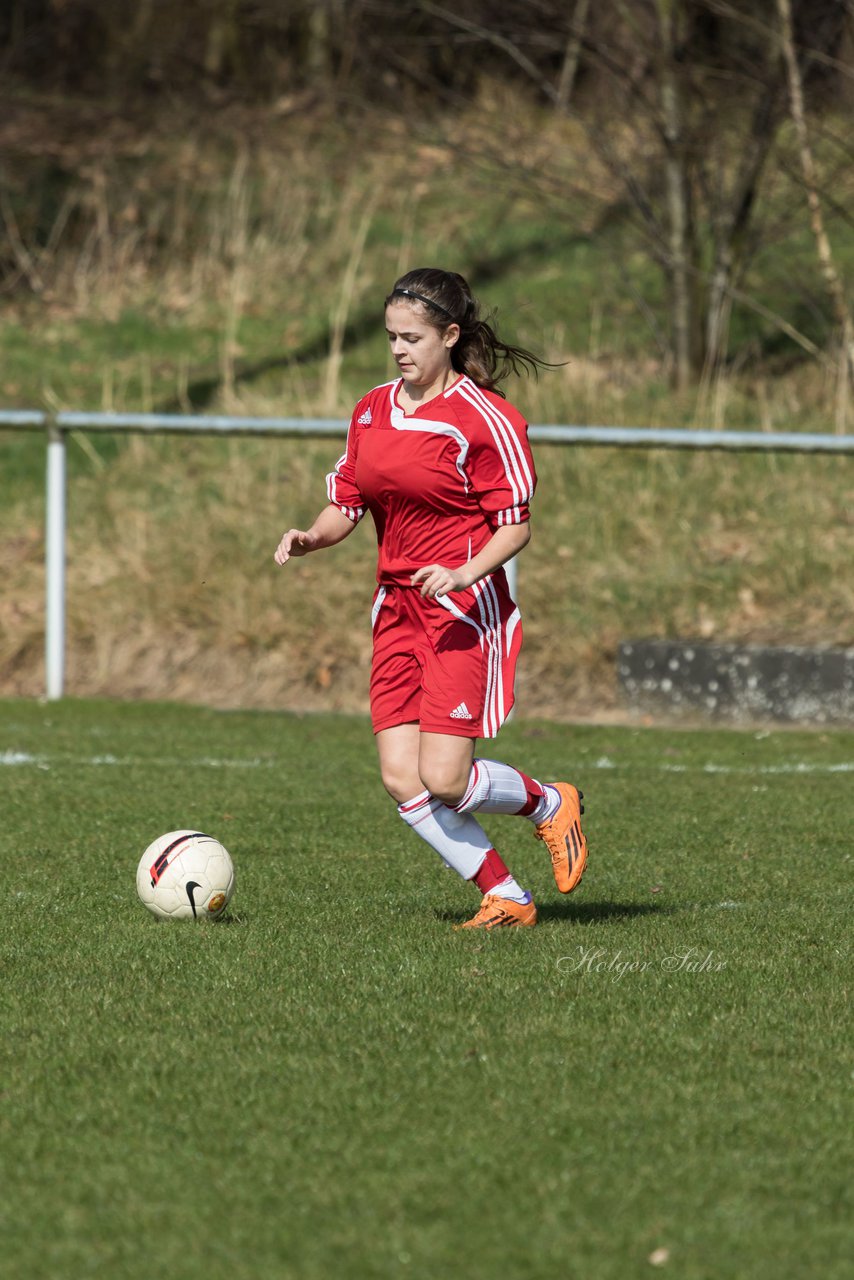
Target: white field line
x,y
796,766
170,762
604,763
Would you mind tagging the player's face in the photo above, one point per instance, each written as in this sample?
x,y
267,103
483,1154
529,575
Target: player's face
x,y
422,353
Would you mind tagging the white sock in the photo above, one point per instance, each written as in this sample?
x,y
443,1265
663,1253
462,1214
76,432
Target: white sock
x,y
547,806
512,890
458,838
495,787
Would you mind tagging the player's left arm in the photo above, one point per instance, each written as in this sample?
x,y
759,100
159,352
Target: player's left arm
x,y
501,471
506,542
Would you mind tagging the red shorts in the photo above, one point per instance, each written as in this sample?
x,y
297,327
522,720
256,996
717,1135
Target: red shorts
x,y
448,663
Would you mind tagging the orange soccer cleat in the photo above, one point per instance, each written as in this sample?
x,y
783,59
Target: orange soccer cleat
x,y
501,913
564,839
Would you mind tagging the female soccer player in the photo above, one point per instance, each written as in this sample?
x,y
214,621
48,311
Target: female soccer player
x,y
442,463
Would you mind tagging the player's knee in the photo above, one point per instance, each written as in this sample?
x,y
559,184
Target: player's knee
x,y
444,782
401,784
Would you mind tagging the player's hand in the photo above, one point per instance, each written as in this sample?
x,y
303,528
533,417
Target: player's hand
x,y
436,580
296,542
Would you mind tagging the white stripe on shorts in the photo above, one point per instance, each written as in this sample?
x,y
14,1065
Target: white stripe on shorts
x,y
490,633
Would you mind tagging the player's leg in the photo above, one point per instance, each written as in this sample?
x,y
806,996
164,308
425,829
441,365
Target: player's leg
x,y
397,748
451,772
554,808
460,697
495,787
398,679
444,764
477,660
458,838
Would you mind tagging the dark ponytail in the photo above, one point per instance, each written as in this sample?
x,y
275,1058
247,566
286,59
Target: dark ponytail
x,y
445,298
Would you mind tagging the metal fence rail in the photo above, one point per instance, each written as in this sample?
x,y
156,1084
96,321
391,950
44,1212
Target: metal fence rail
x,y
611,437
56,426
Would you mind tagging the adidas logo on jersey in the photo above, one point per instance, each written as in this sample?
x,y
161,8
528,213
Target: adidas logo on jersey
x,y
365,419
461,713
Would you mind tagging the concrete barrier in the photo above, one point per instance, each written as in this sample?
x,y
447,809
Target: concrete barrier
x,y
738,683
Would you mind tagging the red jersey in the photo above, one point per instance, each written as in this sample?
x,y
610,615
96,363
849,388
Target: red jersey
x,y
439,481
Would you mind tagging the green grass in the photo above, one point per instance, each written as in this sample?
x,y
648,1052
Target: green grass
x,y
333,1082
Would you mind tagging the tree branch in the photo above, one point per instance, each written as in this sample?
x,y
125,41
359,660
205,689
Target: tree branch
x,y
825,254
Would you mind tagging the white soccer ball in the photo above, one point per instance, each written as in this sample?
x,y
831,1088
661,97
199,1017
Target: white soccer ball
x,y
185,875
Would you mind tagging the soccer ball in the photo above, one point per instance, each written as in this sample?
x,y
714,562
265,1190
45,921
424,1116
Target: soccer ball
x,y
185,875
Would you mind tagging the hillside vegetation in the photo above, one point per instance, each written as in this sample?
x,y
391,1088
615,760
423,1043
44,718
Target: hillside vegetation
x,y
242,268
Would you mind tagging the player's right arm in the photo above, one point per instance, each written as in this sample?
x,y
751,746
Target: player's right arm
x,y
331,526
346,504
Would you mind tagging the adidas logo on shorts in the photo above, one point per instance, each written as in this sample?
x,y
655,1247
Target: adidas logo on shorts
x,y
365,419
461,713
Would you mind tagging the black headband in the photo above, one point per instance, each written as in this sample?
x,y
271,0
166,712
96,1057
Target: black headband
x,y
419,297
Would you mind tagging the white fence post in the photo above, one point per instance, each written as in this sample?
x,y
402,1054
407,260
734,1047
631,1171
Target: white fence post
x,y
55,563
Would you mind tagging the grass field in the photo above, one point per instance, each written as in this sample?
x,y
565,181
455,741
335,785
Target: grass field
x,y
332,1082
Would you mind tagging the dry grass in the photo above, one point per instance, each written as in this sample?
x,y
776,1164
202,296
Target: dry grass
x,y
173,592
272,246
